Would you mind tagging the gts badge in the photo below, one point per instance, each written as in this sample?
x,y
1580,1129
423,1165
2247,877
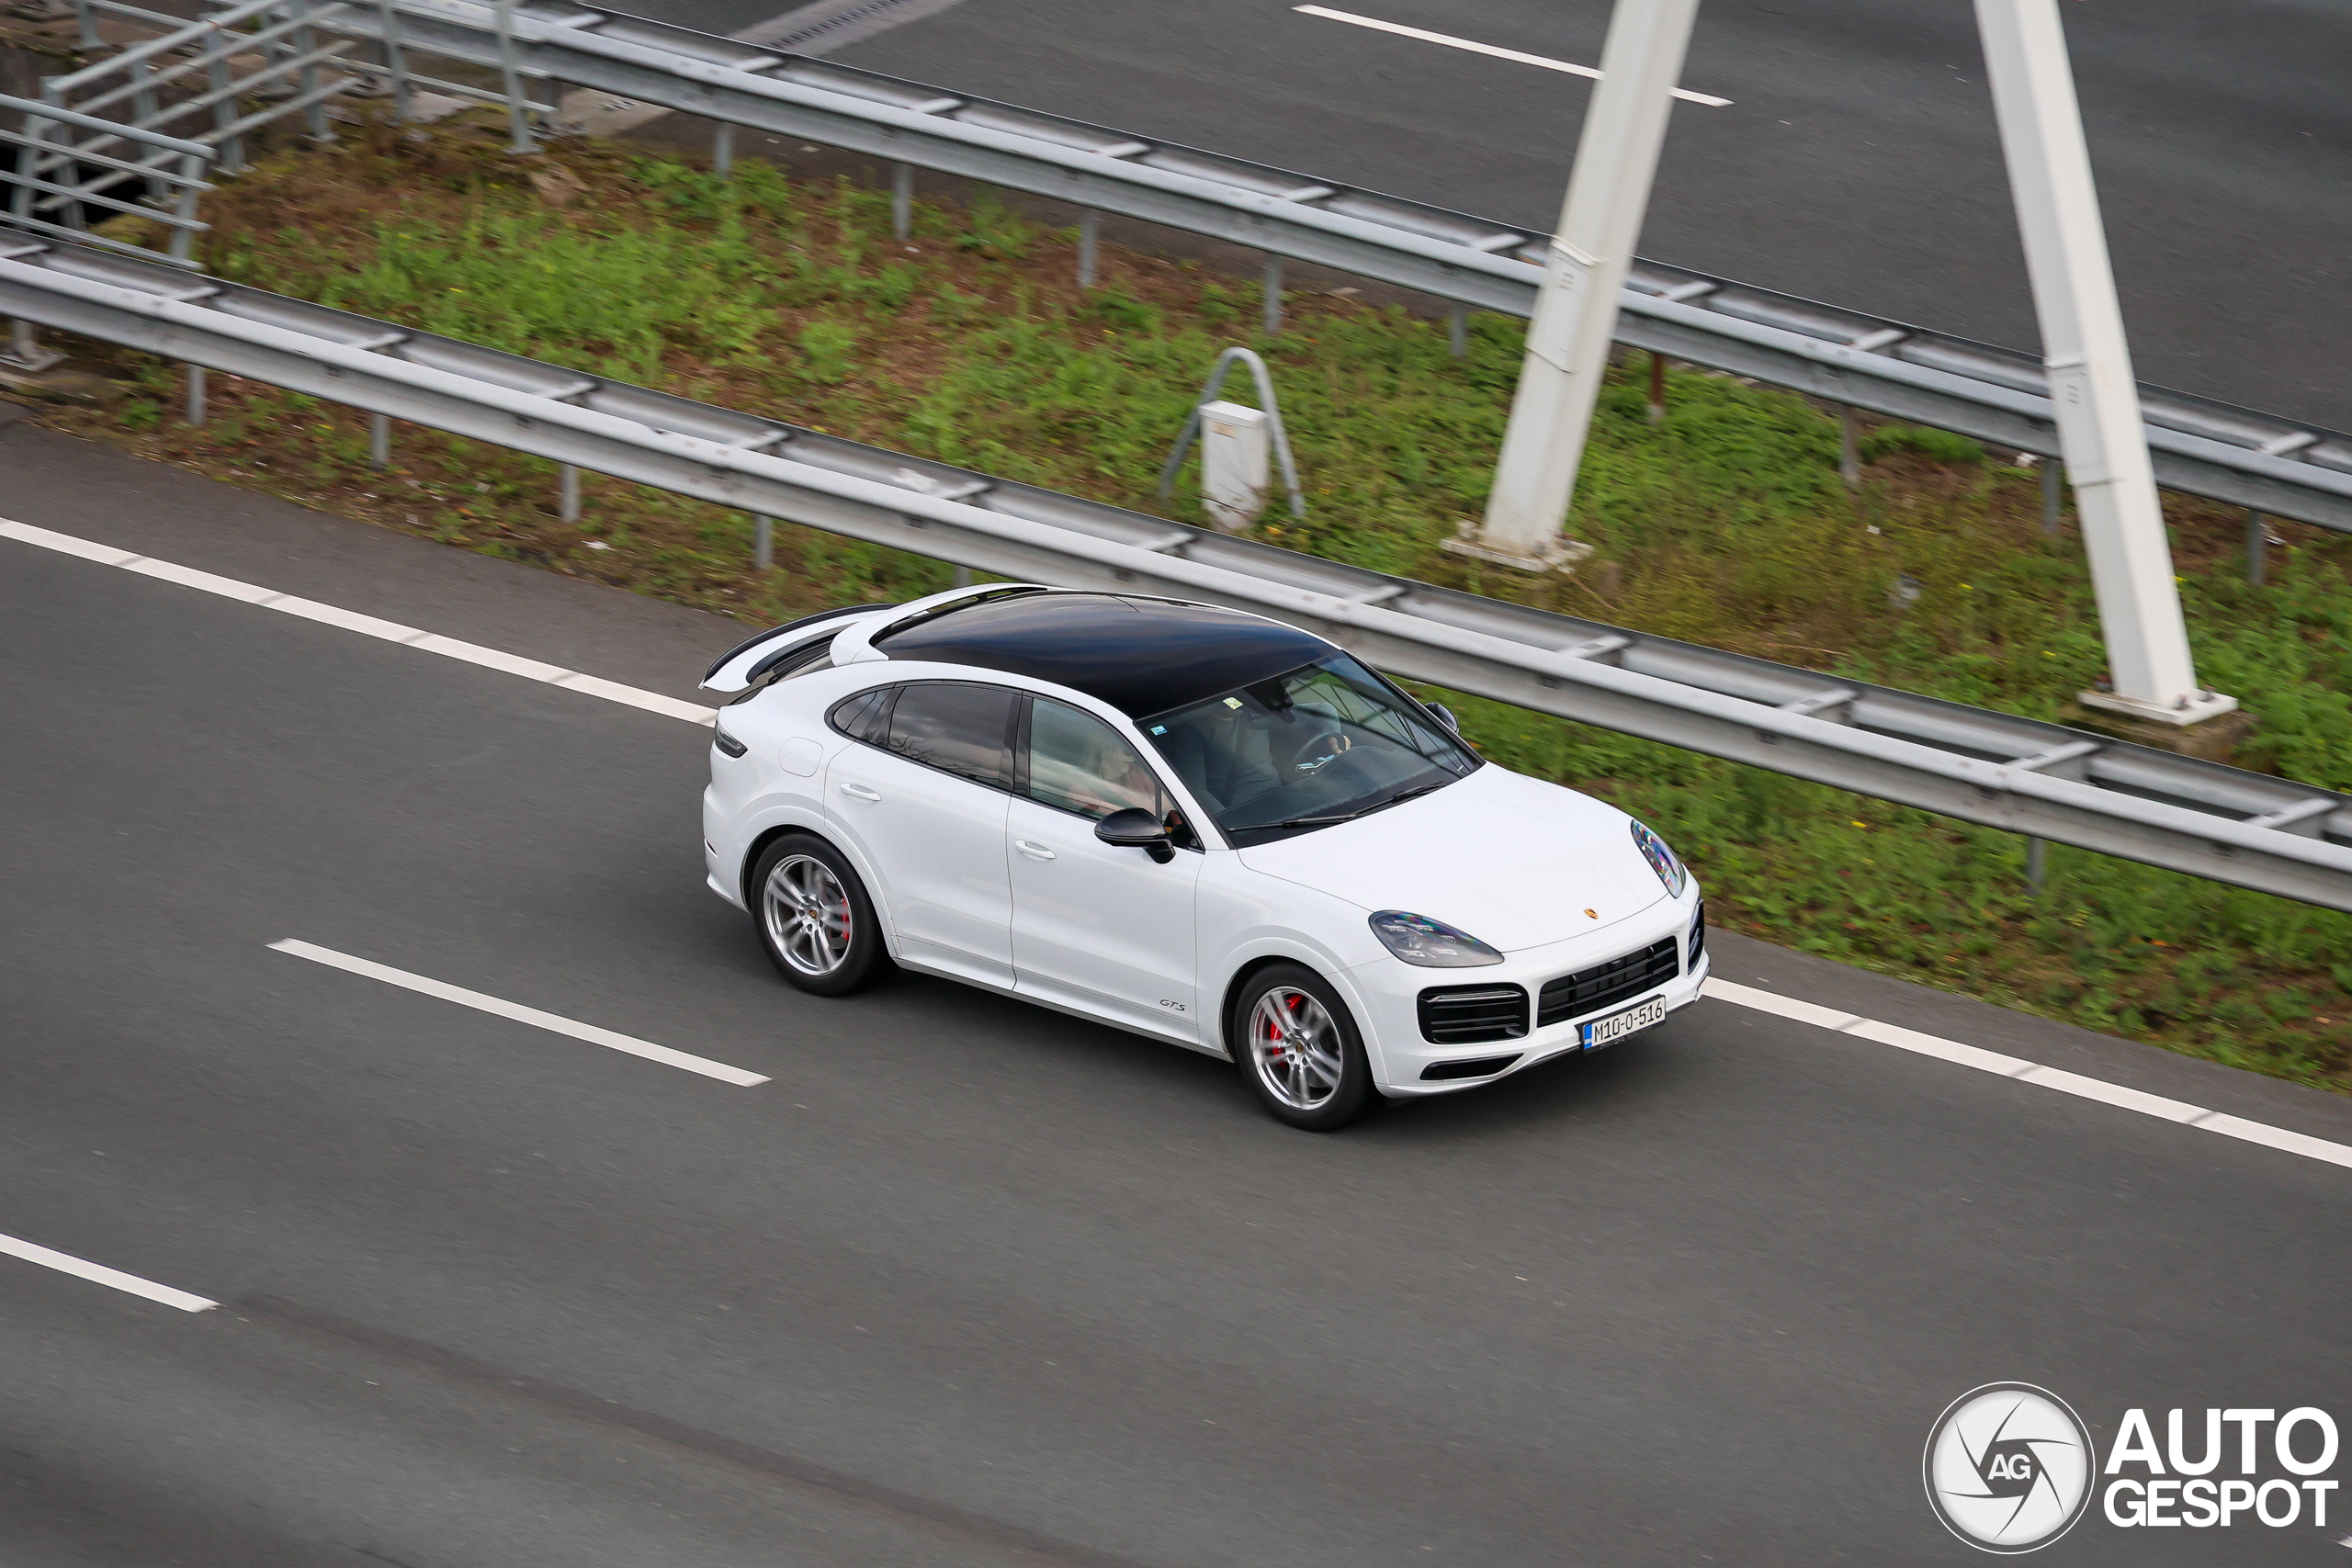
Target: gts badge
x,y
1171,1007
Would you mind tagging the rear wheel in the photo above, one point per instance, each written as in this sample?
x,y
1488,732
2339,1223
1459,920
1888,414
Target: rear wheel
x,y
1298,1044
815,918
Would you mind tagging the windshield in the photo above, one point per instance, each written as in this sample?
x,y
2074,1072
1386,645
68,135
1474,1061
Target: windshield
x,y
1326,742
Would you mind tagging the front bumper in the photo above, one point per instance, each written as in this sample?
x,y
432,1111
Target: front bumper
x,y
1389,989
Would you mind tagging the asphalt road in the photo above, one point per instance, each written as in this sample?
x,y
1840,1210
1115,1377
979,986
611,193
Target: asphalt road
x,y
966,1282
1857,162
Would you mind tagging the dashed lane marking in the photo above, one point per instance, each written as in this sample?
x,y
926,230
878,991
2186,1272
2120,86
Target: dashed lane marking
x,y
1450,41
99,1274
519,1013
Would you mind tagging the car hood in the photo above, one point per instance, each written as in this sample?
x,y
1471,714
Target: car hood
x,y
1513,861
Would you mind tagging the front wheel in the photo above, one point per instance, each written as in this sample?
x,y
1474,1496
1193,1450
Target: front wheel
x,y
1295,1042
815,918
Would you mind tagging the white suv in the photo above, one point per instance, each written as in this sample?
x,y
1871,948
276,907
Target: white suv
x,y
1186,822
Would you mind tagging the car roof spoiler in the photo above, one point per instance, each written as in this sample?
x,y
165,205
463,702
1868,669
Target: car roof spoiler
x,y
741,667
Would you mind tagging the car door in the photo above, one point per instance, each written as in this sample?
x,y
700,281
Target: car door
x,y
923,798
1107,931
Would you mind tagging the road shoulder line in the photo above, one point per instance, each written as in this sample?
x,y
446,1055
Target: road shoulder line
x,y
351,620
1961,1054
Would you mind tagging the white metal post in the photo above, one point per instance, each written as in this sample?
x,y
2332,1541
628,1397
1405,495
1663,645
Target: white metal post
x,y
2089,364
1576,311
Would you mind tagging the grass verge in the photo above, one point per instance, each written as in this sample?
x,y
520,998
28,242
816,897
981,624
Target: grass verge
x,y
1725,524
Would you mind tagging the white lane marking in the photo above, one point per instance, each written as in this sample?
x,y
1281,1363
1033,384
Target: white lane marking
x,y
351,621
2016,1067
98,1274
1450,41
520,1015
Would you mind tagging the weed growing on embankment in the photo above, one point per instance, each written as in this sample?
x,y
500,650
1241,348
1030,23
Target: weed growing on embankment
x,y
1725,524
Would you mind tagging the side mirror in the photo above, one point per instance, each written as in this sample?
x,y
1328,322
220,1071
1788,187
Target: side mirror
x,y
1136,828
1444,716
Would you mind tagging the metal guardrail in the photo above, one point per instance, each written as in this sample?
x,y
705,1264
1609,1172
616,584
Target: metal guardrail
x,y
2260,461
2038,779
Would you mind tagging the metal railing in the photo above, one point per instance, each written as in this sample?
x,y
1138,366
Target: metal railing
x,y
66,161
194,79
2040,780
2263,462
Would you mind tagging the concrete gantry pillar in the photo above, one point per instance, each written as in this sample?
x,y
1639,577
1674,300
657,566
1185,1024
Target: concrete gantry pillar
x,y
1575,306
2088,359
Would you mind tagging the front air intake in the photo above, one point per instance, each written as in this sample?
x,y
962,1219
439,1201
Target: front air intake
x,y
1698,943
1480,1067
1468,1015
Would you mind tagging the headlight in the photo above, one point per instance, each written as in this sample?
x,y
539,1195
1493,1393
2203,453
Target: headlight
x,y
727,742
1670,870
1432,944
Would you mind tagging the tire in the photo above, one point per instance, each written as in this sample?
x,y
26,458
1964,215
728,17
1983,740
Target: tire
x,y
1319,1088
814,918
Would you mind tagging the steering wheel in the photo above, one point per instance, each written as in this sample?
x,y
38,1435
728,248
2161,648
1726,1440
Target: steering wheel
x,y
1320,753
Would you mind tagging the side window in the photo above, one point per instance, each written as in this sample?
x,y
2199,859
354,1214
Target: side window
x,y
954,726
863,716
1080,763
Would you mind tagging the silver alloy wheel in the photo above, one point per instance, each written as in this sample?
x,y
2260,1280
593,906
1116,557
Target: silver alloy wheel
x,y
808,915
1295,1048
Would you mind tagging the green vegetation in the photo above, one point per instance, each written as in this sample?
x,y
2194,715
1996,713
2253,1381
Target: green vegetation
x,y
1725,524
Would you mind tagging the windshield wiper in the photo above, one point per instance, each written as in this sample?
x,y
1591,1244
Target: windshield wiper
x,y
1404,794
1326,821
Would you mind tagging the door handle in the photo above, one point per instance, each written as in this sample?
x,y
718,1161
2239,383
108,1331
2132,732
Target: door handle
x,y
860,792
1035,852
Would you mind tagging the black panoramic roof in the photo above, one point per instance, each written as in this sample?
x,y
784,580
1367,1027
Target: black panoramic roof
x,y
1141,656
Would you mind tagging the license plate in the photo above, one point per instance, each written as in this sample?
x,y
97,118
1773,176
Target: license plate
x,y
1617,1025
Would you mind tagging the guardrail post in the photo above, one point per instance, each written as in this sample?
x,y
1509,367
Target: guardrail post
x,y
2258,530
305,41
1271,320
1457,329
722,149
902,200
1658,388
395,58
2102,432
25,352
567,493
380,441
184,233
2034,865
224,109
962,577
1584,276
1089,233
195,415
518,119
1850,447
763,544
2053,497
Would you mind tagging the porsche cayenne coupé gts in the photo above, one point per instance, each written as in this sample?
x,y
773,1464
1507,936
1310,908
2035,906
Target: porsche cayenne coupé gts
x,y
1190,822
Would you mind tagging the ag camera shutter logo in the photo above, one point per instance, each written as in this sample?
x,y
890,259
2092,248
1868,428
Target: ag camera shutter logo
x,y
2008,1467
